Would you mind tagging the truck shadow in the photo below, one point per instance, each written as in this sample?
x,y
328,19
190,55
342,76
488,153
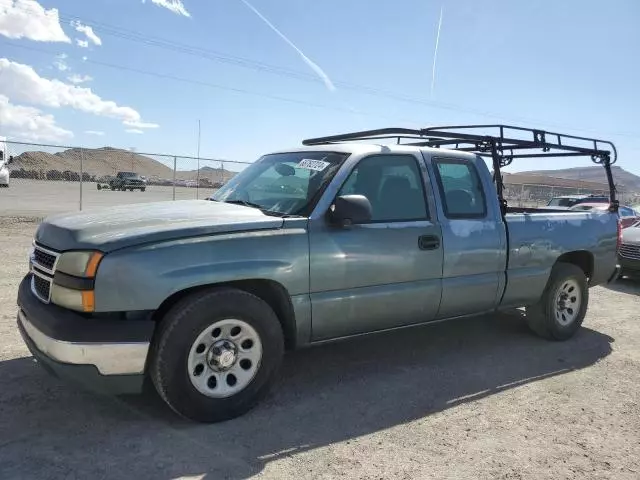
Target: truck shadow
x,y
327,394
627,285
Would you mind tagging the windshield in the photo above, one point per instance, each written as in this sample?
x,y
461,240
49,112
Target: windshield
x,y
283,183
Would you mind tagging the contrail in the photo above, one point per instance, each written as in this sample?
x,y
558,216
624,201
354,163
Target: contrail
x,y
325,78
435,53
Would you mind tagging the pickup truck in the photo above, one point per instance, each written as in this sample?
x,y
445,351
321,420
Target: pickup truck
x,y
202,298
128,181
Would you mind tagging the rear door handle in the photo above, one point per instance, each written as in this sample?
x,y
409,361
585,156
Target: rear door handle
x,y
428,242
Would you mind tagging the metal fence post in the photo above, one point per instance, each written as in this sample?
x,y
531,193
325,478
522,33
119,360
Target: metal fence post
x,y
81,173
174,177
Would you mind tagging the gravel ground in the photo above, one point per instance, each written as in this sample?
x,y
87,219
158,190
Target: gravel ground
x,y
475,398
39,198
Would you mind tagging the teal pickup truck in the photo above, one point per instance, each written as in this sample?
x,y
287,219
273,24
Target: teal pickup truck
x,y
313,244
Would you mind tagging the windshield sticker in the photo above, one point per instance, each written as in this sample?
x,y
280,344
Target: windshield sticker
x,y
317,165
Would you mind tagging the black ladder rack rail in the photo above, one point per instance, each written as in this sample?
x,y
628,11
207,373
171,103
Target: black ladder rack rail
x,y
503,146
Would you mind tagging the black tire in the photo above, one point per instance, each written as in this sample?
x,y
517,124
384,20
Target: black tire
x,y
542,318
113,188
142,189
179,329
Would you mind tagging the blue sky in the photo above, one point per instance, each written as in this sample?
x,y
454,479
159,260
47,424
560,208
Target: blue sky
x,y
569,66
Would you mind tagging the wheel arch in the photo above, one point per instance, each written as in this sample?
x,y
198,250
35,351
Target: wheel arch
x,y
270,291
582,259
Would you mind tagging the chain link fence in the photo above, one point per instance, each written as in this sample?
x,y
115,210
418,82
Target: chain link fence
x,y
48,179
537,195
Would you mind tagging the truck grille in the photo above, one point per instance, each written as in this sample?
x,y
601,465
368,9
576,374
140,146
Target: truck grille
x,y
628,250
43,265
44,259
41,287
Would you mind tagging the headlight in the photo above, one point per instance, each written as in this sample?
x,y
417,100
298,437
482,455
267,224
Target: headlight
x,y
79,300
73,283
79,264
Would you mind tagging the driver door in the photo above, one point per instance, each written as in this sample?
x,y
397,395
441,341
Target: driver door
x,y
383,274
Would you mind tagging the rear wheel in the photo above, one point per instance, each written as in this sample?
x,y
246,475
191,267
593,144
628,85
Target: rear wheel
x,y
142,189
216,353
563,305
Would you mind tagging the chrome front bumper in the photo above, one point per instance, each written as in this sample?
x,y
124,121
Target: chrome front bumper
x,y
108,358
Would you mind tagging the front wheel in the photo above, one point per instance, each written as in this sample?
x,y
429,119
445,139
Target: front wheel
x,y
561,310
216,353
142,189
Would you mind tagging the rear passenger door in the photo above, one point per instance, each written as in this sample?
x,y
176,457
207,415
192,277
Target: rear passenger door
x,y
473,236
385,273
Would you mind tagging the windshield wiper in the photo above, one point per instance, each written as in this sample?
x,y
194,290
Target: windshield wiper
x,y
266,211
245,203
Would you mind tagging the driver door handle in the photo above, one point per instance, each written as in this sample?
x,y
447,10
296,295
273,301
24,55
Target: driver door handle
x,y
428,242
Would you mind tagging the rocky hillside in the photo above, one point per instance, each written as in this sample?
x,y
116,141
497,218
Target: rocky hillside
x,y
624,179
104,161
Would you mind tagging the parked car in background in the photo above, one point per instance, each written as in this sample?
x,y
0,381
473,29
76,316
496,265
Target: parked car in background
x,y
627,215
5,160
629,252
565,202
128,181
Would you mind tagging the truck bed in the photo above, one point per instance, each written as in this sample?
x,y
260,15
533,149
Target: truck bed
x,y
538,237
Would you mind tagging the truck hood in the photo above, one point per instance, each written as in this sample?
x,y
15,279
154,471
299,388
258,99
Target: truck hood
x,y
631,235
123,226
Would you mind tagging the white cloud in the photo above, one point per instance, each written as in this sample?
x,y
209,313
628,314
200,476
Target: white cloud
x,y
88,31
139,124
29,123
22,83
94,132
60,63
82,43
28,19
134,130
84,59
176,6
77,79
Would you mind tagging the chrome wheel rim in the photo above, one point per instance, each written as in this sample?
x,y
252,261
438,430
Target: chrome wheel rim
x,y
568,302
224,358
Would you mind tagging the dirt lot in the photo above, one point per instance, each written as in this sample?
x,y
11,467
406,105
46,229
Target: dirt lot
x,y
477,398
42,198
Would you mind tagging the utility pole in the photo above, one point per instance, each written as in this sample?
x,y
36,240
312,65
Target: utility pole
x,y
198,172
133,157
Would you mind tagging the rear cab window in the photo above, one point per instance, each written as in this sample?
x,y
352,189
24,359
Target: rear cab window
x,y
460,188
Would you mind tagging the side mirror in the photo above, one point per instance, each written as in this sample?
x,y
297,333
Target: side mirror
x,y
10,160
350,210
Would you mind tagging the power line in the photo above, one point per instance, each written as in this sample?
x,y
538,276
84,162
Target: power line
x,y
302,76
213,55
222,87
